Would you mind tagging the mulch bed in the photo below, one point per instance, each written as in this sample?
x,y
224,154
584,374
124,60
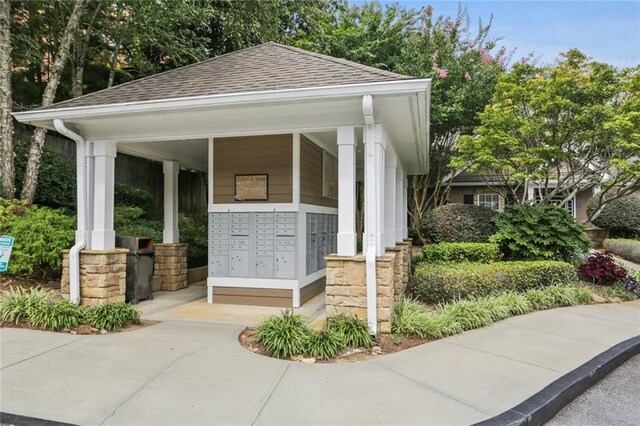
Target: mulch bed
x,y
82,329
6,283
384,344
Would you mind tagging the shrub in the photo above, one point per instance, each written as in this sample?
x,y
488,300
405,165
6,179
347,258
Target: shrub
x,y
537,232
112,316
193,231
57,315
459,223
629,249
129,220
17,304
461,252
445,282
600,268
323,344
354,332
411,317
130,196
283,336
469,314
41,233
620,217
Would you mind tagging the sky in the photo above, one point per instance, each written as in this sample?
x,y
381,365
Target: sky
x,y
608,31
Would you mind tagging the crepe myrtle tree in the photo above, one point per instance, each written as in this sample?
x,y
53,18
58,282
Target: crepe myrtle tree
x,y
565,128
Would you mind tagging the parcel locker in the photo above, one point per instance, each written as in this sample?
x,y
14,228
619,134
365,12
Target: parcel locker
x,y
239,257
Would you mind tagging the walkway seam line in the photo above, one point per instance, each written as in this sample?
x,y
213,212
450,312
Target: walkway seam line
x,y
557,334
266,401
624,324
436,390
42,353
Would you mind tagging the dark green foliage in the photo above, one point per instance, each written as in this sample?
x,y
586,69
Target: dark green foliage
x,y
410,317
41,233
620,217
459,223
57,315
353,331
283,336
129,221
56,177
461,252
112,316
537,232
18,304
323,344
193,231
446,282
130,196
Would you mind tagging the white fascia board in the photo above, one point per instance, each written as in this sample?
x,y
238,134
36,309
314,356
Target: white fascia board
x,y
269,96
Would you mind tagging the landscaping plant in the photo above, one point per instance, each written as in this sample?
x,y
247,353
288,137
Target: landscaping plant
x,y
620,217
112,316
459,223
461,252
57,315
17,304
323,344
283,336
541,231
629,249
446,282
601,268
353,331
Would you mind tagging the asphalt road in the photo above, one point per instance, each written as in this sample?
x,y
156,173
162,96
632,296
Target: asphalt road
x,y
613,401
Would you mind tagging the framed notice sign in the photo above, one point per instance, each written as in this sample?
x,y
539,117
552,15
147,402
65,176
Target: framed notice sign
x,y
252,187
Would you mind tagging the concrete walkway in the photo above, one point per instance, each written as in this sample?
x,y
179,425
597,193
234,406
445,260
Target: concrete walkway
x,y
181,372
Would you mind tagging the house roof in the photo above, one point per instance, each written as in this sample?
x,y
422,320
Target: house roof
x,y
266,67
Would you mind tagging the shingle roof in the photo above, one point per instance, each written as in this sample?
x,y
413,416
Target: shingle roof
x,y
269,66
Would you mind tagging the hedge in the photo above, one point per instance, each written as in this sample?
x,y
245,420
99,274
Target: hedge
x,y
620,217
459,223
445,282
461,252
629,249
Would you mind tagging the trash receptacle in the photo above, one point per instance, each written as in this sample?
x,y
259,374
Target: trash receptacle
x,y
139,267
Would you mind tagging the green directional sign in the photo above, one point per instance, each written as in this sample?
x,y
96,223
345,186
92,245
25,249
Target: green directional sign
x,y
6,244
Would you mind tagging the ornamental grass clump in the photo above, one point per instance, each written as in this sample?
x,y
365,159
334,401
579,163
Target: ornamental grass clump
x,y
112,316
323,344
57,315
469,314
353,331
18,304
283,336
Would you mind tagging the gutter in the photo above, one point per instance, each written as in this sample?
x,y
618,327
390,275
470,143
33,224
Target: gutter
x,y
370,213
81,232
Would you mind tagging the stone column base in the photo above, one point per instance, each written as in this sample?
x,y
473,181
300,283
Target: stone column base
x,y
170,265
103,276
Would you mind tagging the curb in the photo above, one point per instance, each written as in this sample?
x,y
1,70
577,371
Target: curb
x,y
544,405
18,420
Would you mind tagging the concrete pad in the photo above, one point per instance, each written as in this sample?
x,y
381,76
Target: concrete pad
x,y
84,381
627,313
361,393
163,300
21,344
579,327
529,346
488,382
220,384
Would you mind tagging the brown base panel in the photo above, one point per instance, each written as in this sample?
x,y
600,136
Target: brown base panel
x,y
253,296
310,291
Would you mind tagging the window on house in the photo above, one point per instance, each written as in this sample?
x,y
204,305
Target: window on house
x,y
557,199
489,200
329,176
468,199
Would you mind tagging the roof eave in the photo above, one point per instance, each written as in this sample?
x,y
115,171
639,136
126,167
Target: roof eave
x,y
262,97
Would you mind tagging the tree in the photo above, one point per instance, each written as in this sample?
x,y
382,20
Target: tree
x,y
37,140
6,102
563,128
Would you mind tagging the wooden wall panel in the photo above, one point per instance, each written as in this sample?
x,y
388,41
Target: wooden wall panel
x,y
311,175
270,154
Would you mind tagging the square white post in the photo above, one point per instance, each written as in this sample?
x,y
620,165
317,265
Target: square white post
x,y
380,147
405,206
401,208
347,239
390,197
103,237
170,234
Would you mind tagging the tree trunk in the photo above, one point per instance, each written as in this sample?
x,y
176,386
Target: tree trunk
x,y
37,140
7,171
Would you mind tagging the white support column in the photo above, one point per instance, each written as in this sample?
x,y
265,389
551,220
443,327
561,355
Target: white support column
x,y
405,201
390,201
103,237
400,206
170,234
347,239
210,173
380,147
371,186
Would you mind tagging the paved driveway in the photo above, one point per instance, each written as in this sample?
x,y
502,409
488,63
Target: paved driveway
x,y
182,372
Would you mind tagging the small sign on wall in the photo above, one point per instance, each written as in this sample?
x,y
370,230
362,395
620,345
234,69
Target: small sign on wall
x,y
252,187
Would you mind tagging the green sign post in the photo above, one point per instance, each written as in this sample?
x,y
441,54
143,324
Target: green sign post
x,y
6,244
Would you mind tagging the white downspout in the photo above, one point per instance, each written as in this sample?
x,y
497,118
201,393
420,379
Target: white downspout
x,y
81,232
370,213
